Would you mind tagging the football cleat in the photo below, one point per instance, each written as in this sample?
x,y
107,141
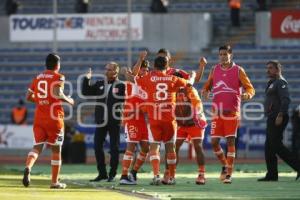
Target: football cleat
x,y
200,180
166,178
26,177
133,175
156,180
58,185
227,179
125,180
172,181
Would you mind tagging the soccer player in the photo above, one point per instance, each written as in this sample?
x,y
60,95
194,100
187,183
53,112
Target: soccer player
x,y
173,71
226,81
135,125
191,125
46,91
160,105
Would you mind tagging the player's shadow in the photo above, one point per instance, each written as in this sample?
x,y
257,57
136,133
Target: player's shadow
x,y
17,182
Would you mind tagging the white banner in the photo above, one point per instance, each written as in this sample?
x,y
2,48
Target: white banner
x,y
13,136
75,27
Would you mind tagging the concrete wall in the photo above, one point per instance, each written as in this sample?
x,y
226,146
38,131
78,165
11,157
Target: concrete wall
x,y
177,32
4,31
263,32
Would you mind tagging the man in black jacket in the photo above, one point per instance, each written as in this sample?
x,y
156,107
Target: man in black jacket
x,y
110,97
296,131
276,104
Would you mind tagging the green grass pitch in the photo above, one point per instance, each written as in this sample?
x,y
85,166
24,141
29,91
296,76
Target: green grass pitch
x,y
244,184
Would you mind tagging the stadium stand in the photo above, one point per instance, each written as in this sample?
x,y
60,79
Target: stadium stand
x,y
19,65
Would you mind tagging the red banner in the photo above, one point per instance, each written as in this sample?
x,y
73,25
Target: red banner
x,y
285,24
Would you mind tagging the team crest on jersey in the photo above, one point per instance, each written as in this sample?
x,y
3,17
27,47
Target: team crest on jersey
x,y
223,87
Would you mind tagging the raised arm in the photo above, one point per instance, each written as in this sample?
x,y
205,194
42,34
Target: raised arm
x,y
88,89
207,86
137,66
199,73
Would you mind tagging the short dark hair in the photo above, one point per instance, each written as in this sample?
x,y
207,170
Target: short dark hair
x,y
164,51
52,61
226,47
145,64
160,63
276,64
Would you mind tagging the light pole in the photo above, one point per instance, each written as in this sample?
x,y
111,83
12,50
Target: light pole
x,y
54,43
129,36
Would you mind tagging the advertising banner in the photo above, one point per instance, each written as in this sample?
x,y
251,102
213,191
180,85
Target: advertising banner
x,y
285,24
75,27
13,136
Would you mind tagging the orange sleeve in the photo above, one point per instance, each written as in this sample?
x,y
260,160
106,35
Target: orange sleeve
x,y
246,84
208,84
60,80
194,97
180,82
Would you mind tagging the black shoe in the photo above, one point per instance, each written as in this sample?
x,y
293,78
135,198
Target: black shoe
x,y
26,177
298,175
125,180
111,179
266,179
99,178
132,175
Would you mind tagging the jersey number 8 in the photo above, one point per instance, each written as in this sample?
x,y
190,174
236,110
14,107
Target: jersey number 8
x,y
161,91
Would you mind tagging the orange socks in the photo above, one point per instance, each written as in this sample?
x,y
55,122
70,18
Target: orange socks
x,y
55,163
139,161
127,160
155,161
230,159
31,158
171,161
201,169
220,155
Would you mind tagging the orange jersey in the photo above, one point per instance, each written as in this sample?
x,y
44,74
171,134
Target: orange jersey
x,y
192,95
189,109
132,106
161,94
47,106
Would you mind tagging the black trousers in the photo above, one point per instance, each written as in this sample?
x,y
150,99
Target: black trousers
x,y
114,139
274,147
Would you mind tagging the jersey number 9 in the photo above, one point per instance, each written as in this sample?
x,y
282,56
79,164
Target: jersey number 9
x,y
42,89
